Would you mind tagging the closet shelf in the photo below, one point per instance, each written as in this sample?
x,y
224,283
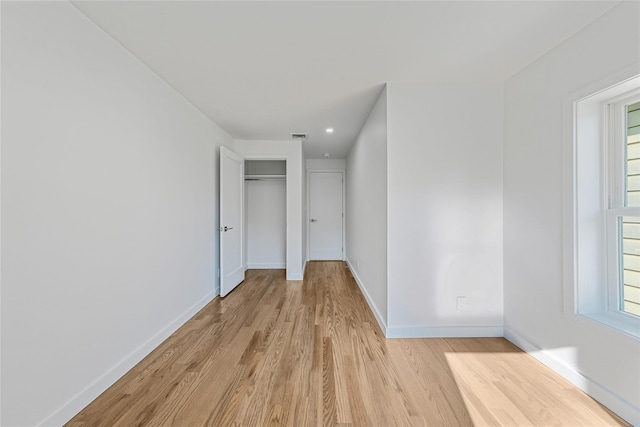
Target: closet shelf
x,y
265,177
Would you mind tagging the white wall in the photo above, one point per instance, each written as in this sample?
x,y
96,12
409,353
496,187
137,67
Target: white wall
x,y
291,151
444,209
265,167
367,209
109,209
595,357
266,223
326,164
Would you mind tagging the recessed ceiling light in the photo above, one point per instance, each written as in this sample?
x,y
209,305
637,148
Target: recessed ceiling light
x,y
326,154
329,130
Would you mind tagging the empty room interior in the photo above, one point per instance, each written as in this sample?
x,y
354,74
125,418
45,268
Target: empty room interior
x,y
366,213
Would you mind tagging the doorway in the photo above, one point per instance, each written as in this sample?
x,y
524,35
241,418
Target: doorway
x,y
291,153
266,214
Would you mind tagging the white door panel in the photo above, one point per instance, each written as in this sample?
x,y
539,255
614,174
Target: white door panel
x,y
325,216
231,220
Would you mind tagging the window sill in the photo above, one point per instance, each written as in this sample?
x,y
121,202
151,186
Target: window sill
x,y
621,322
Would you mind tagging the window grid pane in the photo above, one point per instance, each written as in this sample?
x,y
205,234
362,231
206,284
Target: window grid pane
x,y
632,193
630,265
630,262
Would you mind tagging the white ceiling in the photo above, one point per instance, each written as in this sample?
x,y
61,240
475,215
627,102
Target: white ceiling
x,y
262,70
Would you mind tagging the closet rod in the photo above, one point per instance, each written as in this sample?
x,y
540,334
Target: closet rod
x,y
265,178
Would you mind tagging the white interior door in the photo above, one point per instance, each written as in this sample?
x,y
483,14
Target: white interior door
x,y
231,220
325,216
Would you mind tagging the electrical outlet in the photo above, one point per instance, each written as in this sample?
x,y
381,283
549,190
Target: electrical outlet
x,y
460,303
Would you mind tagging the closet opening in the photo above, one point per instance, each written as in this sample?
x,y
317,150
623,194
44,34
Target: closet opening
x,y
265,214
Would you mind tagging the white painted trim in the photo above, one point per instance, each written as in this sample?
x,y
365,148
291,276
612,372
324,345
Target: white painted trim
x,y
608,398
252,156
291,151
93,390
444,331
267,266
344,208
287,219
367,297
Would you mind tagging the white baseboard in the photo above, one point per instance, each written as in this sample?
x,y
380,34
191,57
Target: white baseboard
x,y
367,297
86,396
445,331
267,266
611,400
426,331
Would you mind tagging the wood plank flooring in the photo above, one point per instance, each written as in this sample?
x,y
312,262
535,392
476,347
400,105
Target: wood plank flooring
x,y
310,353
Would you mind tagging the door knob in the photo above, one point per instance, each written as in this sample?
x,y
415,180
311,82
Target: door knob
x,y
313,220
225,228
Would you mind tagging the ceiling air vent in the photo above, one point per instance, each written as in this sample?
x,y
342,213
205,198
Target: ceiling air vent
x,y
298,135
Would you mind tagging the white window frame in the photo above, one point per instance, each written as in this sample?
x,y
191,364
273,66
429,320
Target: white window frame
x,y
616,140
591,210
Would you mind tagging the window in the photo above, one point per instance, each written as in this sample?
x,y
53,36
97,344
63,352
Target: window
x,y
623,214
621,140
629,227
602,255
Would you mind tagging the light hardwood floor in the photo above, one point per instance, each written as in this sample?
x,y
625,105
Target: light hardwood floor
x,y
278,353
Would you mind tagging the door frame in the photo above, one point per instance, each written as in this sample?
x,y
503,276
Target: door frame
x,y
291,151
344,209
